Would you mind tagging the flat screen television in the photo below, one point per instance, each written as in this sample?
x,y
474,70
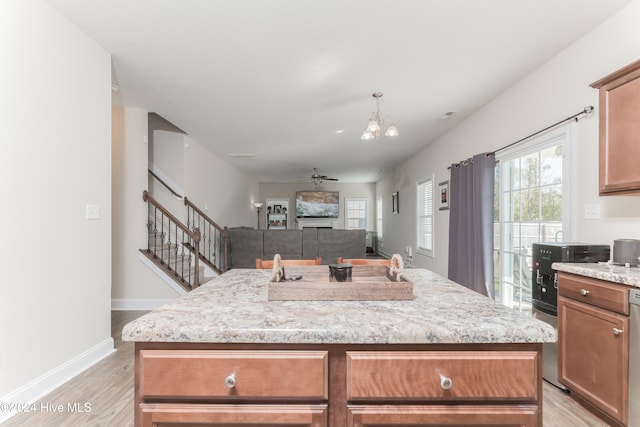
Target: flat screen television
x,y
317,204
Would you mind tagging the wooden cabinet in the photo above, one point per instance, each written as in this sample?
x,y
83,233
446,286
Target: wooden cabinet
x,y
233,375
337,385
454,380
198,415
593,337
228,387
619,100
442,376
440,415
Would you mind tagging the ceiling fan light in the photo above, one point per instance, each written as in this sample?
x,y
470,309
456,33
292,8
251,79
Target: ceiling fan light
x,y
392,131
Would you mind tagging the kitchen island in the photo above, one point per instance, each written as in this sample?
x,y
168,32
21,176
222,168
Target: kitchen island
x,y
225,355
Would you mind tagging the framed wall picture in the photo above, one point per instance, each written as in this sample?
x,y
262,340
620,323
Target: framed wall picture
x,y
395,203
443,191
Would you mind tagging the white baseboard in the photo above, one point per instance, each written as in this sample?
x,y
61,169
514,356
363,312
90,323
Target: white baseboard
x,y
133,304
31,392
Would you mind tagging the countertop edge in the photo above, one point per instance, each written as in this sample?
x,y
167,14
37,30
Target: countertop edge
x,y
629,276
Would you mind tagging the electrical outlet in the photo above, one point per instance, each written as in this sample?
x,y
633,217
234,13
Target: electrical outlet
x,y
93,211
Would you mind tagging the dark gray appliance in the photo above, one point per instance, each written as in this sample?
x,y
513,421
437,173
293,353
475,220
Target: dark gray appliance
x,y
544,292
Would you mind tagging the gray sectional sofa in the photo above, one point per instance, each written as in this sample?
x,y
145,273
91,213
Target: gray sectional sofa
x,y
245,245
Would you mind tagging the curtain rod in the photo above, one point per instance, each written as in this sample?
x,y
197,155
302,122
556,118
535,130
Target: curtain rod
x,y
588,109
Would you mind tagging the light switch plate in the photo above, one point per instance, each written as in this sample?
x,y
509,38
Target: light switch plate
x,y
93,211
592,211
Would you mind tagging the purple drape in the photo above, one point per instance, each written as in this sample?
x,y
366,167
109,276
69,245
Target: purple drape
x,y
471,223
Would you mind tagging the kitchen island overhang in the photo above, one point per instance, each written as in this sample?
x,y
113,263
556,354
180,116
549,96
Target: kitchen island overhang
x,y
449,351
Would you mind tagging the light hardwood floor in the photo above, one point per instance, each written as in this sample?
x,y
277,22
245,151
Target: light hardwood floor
x,y
108,388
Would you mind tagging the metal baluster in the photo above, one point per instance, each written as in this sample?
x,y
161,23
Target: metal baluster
x,y
182,259
175,263
162,237
155,232
191,279
148,227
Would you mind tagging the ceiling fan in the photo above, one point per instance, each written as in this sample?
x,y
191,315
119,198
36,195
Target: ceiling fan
x,y
317,178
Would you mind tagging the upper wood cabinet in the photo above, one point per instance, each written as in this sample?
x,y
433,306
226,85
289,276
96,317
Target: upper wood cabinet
x,y
619,101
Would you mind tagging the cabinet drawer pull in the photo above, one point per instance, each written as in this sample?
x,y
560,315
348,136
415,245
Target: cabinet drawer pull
x,y
584,292
617,331
445,382
230,381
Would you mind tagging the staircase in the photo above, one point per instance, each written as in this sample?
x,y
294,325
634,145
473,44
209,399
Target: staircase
x,y
179,250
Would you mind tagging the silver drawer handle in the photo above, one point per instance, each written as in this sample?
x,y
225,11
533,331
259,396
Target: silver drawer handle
x,y
230,381
584,292
617,331
445,382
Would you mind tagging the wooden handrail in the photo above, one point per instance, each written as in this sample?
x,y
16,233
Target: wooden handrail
x,y
215,256
190,204
193,235
165,185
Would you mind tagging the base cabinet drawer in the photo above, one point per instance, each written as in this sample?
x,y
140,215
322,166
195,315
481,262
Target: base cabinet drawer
x,y
460,415
594,292
233,375
442,376
171,415
337,385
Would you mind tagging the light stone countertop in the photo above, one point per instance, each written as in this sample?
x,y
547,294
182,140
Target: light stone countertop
x,y
605,271
233,308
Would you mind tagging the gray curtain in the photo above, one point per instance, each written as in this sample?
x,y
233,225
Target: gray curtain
x,y
471,223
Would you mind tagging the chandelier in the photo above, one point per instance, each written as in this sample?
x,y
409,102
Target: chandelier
x,y
376,122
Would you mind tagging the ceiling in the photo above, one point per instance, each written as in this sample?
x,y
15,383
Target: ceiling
x,y
290,81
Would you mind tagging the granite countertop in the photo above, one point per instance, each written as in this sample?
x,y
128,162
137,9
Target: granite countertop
x,y
605,271
233,308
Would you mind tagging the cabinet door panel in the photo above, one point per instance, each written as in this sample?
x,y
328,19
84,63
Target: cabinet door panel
x,y
619,101
172,415
389,415
594,358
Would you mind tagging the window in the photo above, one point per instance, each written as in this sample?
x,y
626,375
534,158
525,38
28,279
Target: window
x,y
531,204
424,214
379,217
356,214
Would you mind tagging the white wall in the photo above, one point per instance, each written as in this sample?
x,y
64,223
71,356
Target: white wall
x,y
288,191
207,180
213,182
558,89
135,285
166,153
56,159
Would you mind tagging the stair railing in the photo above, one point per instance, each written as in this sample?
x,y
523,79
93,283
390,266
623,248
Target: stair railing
x,y
173,192
170,242
213,244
